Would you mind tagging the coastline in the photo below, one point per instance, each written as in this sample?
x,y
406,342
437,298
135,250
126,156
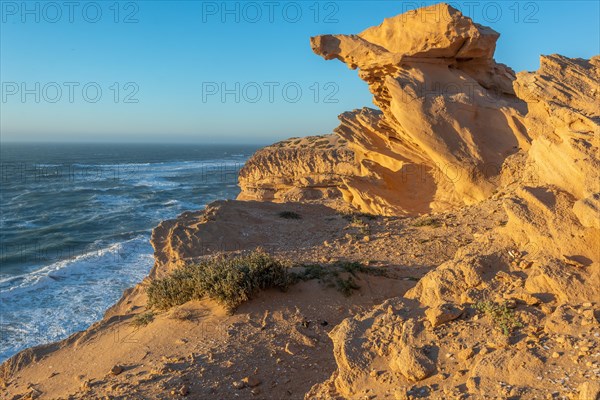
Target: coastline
x,y
276,337
77,222
133,300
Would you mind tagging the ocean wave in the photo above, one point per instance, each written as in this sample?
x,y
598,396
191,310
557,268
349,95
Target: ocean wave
x,y
119,201
113,205
215,161
34,280
67,296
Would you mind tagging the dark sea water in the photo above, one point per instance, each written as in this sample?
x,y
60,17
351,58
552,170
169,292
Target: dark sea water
x,y
75,224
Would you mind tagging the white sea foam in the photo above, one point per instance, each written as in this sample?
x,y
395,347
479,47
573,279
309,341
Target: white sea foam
x,y
56,297
54,301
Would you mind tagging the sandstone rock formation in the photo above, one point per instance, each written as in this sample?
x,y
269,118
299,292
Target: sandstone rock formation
x,y
455,127
559,190
300,169
539,130
563,100
449,115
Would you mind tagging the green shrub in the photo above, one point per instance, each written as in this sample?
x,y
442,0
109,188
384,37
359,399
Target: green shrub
x,y
228,280
503,317
289,215
427,221
142,319
353,216
330,275
311,271
235,279
354,267
346,286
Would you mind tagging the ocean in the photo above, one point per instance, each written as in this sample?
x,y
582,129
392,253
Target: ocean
x,y
75,224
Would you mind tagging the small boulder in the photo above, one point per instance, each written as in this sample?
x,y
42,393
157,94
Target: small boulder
x,y
442,313
33,394
251,381
528,299
181,391
116,370
414,364
473,384
238,385
466,353
589,315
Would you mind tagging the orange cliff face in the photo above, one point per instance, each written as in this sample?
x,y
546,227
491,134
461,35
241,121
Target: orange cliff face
x,y
449,115
299,169
454,128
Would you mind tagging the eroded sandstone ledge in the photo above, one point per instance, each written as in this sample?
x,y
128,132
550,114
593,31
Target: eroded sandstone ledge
x,y
449,117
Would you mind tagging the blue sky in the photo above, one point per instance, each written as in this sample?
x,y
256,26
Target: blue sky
x,y
155,71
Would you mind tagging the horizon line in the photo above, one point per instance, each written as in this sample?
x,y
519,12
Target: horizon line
x,y
136,143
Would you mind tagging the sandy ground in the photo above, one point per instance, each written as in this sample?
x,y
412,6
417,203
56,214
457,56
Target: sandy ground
x,y
277,345
279,338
